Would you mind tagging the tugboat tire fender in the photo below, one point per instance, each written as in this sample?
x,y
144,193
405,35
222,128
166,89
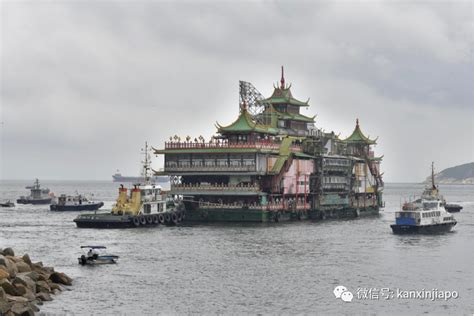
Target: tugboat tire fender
x,y
174,218
142,220
149,219
156,220
136,221
167,217
180,216
161,218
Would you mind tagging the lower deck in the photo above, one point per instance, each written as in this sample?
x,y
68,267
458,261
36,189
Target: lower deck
x,y
264,215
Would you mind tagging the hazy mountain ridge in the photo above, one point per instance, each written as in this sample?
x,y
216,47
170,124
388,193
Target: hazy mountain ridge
x,y
462,174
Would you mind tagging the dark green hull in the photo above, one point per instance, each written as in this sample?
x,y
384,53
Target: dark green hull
x,y
213,215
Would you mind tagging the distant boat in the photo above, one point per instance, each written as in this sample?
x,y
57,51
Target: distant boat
x,y
432,192
77,202
38,195
92,257
453,208
7,204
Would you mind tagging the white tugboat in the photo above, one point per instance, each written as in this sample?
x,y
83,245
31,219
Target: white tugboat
x,y
146,205
424,215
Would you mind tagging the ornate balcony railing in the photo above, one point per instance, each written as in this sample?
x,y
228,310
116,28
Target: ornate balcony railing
x,y
225,168
226,144
216,187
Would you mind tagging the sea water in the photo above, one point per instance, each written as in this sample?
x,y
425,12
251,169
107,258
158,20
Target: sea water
x,y
276,268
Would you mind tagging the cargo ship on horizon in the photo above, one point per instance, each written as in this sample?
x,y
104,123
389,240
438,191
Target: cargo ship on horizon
x,y
117,177
272,164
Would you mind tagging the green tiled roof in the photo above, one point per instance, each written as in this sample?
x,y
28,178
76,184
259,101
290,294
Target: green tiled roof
x,y
283,95
296,117
358,137
245,124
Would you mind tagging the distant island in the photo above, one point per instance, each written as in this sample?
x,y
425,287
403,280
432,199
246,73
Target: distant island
x,y
462,174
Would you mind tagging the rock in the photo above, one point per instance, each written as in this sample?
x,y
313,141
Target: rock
x,y
8,252
59,277
14,259
2,294
44,296
26,259
42,276
34,307
42,286
55,286
23,267
20,289
4,306
4,274
23,309
16,299
9,288
38,264
10,267
21,278
29,295
48,270
32,275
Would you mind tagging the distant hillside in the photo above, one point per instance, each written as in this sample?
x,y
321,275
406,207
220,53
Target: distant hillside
x,y
462,174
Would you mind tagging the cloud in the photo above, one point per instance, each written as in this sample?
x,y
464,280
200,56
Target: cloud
x,y
95,80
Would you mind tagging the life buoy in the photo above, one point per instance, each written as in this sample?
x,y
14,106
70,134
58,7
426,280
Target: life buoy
x,y
142,220
136,221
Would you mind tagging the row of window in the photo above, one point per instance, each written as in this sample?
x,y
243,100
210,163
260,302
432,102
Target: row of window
x,y
336,162
431,214
342,180
218,163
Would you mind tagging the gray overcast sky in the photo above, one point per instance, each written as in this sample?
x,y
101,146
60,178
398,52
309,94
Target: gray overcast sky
x,y
84,84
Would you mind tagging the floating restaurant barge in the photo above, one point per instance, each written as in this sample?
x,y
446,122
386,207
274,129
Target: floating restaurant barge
x,y
273,164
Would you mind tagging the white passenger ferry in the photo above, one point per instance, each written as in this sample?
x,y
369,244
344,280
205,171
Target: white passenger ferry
x,y
423,216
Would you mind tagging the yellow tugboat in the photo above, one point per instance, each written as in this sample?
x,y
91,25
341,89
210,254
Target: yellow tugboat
x,y
146,205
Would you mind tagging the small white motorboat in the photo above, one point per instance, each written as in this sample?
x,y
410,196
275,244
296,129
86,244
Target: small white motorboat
x,y
92,256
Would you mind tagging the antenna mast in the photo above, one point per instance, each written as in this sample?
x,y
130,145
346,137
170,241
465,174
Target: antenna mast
x,y
146,163
432,175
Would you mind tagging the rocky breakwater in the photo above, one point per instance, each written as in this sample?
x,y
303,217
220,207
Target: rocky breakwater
x,y
24,285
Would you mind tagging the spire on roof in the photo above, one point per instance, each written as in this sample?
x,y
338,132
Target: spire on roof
x,y
358,137
282,80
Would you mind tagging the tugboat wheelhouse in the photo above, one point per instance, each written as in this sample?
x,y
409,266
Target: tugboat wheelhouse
x,y
273,164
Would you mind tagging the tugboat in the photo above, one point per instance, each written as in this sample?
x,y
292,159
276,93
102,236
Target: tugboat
x,y
432,192
37,195
146,205
77,202
423,216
